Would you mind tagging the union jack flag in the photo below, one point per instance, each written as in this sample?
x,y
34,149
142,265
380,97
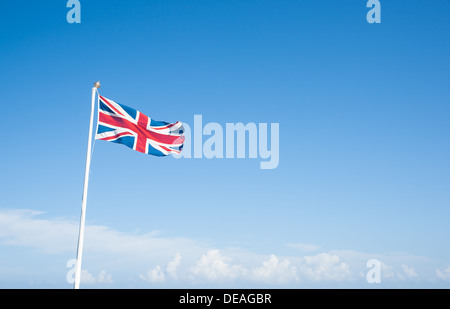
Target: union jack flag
x,y
121,124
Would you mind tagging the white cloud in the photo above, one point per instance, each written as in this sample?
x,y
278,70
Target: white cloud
x,y
155,275
158,274
88,278
22,228
397,268
392,273
444,275
173,265
213,266
25,228
409,271
275,271
123,254
325,267
387,271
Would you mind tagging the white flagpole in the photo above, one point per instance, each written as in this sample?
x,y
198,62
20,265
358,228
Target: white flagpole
x,y
85,190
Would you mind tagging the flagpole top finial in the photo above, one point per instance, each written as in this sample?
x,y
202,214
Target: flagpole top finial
x,y
97,84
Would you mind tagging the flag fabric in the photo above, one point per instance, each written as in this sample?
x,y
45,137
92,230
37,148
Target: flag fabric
x,y
121,124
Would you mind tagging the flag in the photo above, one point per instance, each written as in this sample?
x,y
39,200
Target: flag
x,y
121,124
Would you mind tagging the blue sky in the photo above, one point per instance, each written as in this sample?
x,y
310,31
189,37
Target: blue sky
x,y
363,173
